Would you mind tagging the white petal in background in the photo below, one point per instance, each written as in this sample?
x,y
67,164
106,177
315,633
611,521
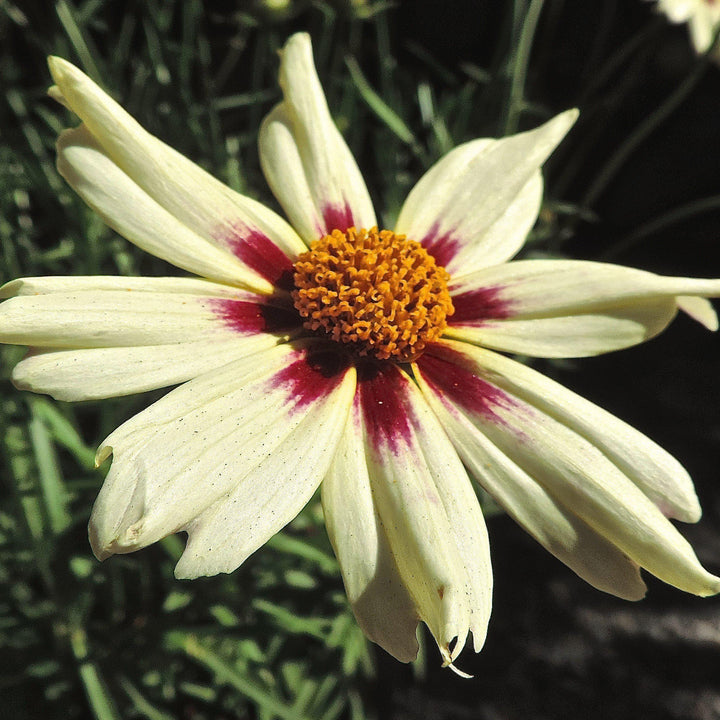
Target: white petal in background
x,y
560,454
260,432
244,227
306,161
428,509
475,206
570,308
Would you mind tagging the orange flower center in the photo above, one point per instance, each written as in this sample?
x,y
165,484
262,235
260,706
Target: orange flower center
x,y
376,291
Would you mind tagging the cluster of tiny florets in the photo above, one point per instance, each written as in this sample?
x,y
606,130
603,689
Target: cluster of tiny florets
x,y
376,291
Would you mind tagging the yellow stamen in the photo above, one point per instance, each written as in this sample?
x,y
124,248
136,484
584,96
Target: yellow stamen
x,y
373,289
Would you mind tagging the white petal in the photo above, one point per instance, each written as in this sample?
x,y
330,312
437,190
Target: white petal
x,y
475,206
304,157
129,210
428,509
700,310
255,235
76,283
230,457
125,318
657,473
572,469
569,308
565,535
376,592
703,25
91,374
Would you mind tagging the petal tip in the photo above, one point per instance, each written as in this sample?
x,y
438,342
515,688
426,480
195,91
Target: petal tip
x,y
101,550
564,121
60,69
102,454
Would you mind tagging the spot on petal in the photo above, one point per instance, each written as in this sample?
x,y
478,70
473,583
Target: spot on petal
x,y
449,374
482,304
247,318
386,415
442,247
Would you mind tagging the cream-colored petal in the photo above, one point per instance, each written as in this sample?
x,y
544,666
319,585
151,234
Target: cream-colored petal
x,y
424,499
121,283
657,473
700,310
230,457
91,374
259,238
272,494
306,161
475,206
126,318
383,608
572,469
570,539
704,24
129,210
570,308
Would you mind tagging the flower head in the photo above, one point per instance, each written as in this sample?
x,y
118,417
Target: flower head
x,y
332,353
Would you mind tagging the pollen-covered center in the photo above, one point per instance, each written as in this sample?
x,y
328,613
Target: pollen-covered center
x,y
376,290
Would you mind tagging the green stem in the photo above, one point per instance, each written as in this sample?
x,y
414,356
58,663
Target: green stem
x,y
516,100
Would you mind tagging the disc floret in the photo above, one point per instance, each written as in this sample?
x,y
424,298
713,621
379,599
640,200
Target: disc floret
x,y
380,293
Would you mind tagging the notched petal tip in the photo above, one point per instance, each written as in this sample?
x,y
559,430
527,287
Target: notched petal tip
x,y
61,69
100,549
11,289
460,673
699,309
102,454
711,586
448,657
55,93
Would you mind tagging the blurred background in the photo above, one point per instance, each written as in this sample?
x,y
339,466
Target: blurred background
x,y
636,182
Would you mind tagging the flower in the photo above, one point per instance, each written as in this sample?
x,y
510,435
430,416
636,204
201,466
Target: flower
x,y
333,352
702,17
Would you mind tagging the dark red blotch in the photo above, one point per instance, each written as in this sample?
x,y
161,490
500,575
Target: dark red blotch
x,y
450,375
477,305
386,412
249,317
313,375
260,254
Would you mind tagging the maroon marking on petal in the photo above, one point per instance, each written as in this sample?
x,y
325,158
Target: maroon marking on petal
x,y
248,317
450,374
260,254
386,415
314,375
442,247
338,217
472,307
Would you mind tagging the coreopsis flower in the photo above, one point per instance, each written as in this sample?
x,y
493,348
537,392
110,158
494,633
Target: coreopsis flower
x,y
702,17
327,352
